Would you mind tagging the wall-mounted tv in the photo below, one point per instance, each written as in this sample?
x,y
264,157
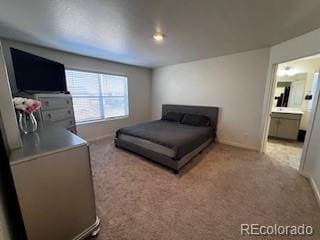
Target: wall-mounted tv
x,y
34,73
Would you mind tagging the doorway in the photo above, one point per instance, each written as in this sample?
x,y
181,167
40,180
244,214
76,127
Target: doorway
x,y
293,100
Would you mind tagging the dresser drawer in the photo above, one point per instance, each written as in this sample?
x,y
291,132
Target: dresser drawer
x,y
49,103
57,115
67,123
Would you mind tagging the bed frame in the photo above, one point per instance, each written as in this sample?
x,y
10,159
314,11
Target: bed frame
x,y
175,165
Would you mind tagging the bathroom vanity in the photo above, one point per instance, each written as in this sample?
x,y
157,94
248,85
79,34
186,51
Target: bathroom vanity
x,y
285,123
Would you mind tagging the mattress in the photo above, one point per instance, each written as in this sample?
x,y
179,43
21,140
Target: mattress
x,y
169,138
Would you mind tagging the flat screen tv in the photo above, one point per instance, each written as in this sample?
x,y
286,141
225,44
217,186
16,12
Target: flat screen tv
x,y
34,73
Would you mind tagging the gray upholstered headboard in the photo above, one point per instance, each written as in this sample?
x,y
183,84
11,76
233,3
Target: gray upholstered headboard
x,y
211,112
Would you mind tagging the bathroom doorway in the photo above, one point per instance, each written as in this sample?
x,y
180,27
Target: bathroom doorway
x,y
293,101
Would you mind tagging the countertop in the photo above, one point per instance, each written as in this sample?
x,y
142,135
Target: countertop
x,y
44,141
286,110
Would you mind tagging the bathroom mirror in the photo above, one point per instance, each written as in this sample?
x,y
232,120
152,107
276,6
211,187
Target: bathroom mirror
x,y
290,91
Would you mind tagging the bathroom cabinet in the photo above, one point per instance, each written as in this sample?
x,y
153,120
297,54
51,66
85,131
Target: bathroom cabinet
x,y
285,125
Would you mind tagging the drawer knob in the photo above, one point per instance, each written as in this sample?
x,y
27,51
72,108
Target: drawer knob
x,y
67,101
49,116
71,122
69,111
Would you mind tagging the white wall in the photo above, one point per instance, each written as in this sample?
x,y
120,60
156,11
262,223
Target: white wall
x,y
139,85
234,83
6,108
302,46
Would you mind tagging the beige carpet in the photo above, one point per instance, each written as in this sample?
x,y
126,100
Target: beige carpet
x,y
222,188
286,152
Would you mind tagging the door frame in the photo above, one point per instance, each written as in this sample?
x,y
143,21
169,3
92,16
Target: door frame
x,y
269,98
270,90
314,108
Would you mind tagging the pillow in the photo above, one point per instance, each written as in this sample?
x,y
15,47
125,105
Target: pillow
x,y
173,116
196,120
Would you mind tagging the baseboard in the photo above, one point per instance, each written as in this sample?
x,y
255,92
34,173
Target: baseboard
x,y
239,145
303,173
313,184
315,189
91,140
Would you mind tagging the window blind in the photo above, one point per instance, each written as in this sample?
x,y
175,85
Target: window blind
x,y
97,96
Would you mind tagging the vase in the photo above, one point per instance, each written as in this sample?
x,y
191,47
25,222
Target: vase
x,y
27,122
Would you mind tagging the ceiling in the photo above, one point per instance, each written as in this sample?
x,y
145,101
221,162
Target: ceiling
x,y
121,30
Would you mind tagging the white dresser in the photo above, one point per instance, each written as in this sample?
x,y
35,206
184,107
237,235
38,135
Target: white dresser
x,y
57,110
53,180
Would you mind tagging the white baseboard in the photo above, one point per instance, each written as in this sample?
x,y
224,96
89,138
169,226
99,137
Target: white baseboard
x,y
315,189
91,140
239,145
303,173
313,184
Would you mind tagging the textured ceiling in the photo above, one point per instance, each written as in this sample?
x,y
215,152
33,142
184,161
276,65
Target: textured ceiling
x,y
121,30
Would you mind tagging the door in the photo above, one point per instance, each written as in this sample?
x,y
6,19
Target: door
x,y
310,156
296,94
312,161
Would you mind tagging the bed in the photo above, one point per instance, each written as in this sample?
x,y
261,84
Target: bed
x,y
182,133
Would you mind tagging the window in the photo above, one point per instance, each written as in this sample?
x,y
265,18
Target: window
x,y
97,96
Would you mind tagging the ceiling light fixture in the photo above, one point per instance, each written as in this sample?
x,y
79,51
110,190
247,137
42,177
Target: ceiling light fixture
x,y
158,36
287,71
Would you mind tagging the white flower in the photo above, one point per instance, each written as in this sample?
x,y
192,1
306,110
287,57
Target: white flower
x,y
19,100
29,102
26,104
21,107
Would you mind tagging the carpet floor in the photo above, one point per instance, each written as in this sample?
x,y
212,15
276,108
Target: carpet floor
x,y
286,152
216,192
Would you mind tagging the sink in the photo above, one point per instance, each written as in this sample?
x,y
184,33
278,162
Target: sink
x,y
286,110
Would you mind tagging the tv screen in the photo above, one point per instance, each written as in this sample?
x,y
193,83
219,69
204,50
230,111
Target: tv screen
x,y
34,73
